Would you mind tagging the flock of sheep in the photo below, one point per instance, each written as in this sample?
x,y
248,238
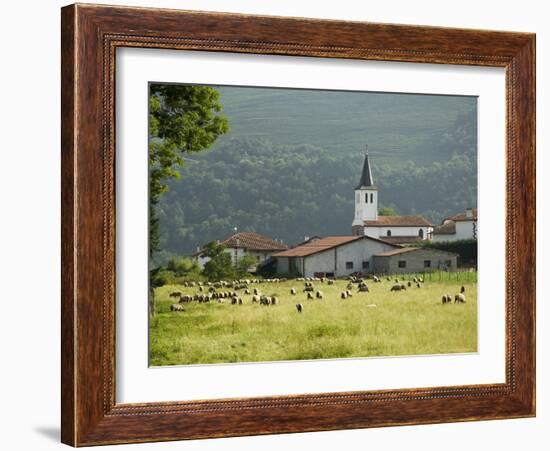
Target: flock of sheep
x,y
223,291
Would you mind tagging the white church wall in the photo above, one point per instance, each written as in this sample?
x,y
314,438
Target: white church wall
x,y
381,232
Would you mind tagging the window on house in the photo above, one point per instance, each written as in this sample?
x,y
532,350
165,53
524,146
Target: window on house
x,y
366,265
427,263
349,265
421,233
402,264
366,198
448,263
357,198
371,198
388,233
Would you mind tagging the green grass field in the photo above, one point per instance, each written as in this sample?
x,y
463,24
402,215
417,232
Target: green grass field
x,y
411,322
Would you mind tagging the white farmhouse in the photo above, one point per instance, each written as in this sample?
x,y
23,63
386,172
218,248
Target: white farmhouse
x,y
332,256
393,229
244,243
462,226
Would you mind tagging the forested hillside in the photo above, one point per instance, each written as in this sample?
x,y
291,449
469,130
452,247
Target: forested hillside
x,y
291,160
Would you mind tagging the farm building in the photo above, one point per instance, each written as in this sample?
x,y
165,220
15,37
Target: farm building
x,y
244,243
332,256
393,229
461,226
414,259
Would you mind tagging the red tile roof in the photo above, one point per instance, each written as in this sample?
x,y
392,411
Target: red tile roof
x,y
447,228
253,241
249,240
388,221
401,239
463,217
404,250
323,244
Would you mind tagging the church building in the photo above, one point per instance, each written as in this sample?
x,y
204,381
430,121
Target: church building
x,y
392,229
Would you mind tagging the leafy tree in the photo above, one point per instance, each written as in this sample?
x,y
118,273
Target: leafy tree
x,y
219,266
182,266
386,211
244,264
182,120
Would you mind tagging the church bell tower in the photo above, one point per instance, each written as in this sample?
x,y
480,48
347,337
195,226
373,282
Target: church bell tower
x,y
366,198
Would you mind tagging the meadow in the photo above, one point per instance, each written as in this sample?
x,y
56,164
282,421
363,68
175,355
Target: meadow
x,y
377,323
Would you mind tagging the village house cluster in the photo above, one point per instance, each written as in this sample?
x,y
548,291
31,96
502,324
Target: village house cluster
x,y
377,244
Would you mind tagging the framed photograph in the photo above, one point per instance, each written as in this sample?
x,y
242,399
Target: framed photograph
x,y
278,225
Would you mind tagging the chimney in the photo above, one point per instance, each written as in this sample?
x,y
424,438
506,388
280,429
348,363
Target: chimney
x,y
469,213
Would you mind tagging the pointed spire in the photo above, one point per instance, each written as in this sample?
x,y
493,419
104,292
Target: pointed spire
x,y
366,176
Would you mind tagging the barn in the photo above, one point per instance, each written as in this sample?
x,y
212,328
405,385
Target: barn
x,y
414,259
332,256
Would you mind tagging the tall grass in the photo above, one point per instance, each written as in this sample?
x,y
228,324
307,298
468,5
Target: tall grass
x,y
411,322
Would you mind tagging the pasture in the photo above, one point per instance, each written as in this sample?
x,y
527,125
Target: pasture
x,y
377,323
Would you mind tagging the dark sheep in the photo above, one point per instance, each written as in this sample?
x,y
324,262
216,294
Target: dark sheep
x,y
175,294
299,307
310,296
363,288
462,289
397,287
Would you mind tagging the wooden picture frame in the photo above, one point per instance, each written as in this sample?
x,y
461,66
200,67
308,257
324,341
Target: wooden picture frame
x,y
90,36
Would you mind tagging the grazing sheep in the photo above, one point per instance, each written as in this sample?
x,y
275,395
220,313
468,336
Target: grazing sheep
x,y
397,287
293,291
349,286
363,288
319,294
256,291
330,282
220,300
349,293
309,295
445,298
177,308
175,294
389,279
375,279
234,301
264,300
344,295
396,280
186,298
310,288
462,289
460,298
409,283
299,307
240,301
418,285
255,299
274,300
247,291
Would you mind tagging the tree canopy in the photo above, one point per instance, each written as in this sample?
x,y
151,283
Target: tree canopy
x,y
182,120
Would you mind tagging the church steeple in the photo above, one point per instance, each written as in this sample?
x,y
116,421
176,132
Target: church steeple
x,y
366,199
366,176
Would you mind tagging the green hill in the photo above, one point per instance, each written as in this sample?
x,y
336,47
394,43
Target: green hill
x,y
290,163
